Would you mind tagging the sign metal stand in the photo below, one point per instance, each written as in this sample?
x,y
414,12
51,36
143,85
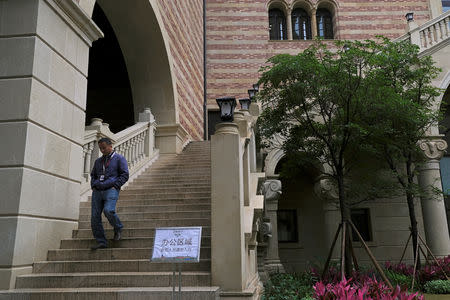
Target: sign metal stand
x,y
177,245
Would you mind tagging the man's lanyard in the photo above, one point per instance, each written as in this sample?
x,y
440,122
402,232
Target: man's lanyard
x,y
106,161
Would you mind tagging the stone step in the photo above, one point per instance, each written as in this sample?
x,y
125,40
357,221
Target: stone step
x,y
143,201
170,183
85,209
131,265
135,242
129,194
176,176
154,215
128,232
159,189
111,293
154,223
116,279
109,254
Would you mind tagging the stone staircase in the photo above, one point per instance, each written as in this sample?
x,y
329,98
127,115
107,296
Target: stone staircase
x,y
174,191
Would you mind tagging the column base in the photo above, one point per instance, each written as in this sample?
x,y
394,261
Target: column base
x,y
273,266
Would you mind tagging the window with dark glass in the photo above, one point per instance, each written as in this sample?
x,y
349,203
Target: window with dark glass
x,y
277,24
361,218
445,5
301,25
324,24
287,226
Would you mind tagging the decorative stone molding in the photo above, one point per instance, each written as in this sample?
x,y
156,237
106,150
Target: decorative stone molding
x,y
325,189
272,191
71,12
433,147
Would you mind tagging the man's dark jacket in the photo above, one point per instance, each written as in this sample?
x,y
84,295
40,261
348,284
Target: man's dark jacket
x,y
116,172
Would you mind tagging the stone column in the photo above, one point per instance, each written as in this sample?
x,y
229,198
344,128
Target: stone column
x,y
313,23
433,208
227,209
44,51
272,192
289,25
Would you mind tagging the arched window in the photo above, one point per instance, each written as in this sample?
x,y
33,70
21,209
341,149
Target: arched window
x,y
277,23
301,25
324,24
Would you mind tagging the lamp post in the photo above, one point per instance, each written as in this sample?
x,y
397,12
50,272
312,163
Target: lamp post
x,y
256,87
226,105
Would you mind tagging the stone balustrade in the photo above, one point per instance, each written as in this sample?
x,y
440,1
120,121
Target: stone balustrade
x,y
431,34
135,143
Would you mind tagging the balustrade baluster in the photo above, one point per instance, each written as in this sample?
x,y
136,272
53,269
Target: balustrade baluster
x,y
430,37
435,33
142,150
133,150
421,39
127,153
447,26
441,29
424,37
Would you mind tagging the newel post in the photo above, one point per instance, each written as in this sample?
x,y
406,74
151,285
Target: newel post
x,y
149,142
227,209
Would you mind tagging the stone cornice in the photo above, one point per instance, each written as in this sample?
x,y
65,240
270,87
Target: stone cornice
x,y
77,19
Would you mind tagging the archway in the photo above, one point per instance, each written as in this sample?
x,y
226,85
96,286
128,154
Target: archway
x,y
109,95
143,43
300,218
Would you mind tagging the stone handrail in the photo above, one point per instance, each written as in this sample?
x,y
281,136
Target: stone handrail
x,y
135,143
430,34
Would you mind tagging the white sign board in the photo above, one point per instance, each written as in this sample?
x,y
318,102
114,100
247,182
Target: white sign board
x,y
177,244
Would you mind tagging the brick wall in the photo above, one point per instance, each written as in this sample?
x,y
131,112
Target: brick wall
x,y
238,36
183,21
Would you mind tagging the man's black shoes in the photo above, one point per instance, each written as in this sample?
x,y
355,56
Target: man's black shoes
x,y
118,234
98,246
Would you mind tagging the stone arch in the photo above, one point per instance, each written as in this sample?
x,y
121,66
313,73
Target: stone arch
x,y
272,160
305,4
445,85
333,7
145,46
280,4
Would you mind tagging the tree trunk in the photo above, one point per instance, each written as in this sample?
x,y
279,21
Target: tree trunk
x,y
414,230
345,216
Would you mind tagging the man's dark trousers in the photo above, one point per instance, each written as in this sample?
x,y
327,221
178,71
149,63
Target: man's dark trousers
x,y
104,201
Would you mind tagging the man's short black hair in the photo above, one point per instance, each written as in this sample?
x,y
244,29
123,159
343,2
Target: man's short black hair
x,y
105,140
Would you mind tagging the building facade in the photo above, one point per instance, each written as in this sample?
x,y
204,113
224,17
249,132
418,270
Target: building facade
x,y
63,62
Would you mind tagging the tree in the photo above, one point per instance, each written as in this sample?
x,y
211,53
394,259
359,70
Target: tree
x,y
326,107
400,115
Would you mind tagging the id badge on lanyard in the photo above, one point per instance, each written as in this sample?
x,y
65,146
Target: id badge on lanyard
x,y
105,165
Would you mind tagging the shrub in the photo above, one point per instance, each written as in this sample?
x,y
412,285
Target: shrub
x,y
402,280
427,273
437,287
289,286
368,290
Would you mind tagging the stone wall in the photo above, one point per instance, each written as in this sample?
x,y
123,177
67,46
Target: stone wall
x,y
183,21
238,35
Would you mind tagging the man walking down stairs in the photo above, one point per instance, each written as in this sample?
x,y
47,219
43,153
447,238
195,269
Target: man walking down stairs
x,y
174,191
